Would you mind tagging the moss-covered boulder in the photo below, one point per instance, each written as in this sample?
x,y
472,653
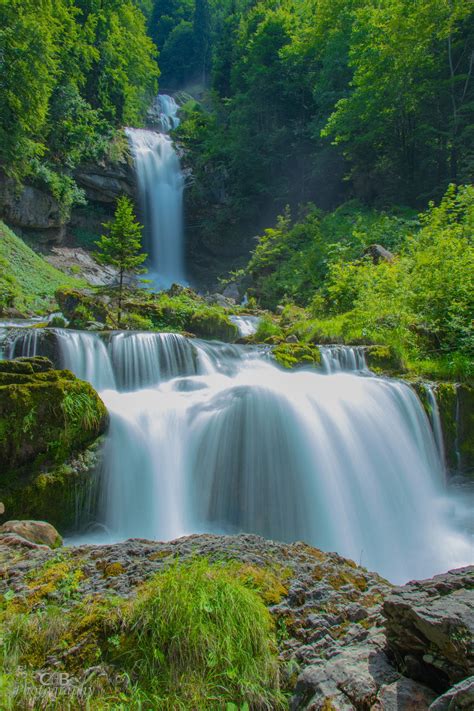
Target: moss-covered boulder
x,y
293,355
383,359
83,307
212,324
45,416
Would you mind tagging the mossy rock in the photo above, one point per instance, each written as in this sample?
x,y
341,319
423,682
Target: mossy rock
x,y
59,494
26,366
45,416
82,307
383,359
293,355
212,324
465,428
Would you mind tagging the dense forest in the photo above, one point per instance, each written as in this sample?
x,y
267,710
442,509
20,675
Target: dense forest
x,y
337,122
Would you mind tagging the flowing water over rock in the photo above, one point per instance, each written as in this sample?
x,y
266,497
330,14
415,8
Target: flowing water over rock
x,y
160,187
210,437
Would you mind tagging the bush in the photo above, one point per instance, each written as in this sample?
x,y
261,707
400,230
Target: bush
x,y
201,639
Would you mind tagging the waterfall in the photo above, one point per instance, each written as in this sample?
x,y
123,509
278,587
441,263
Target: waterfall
x,y
215,437
160,187
435,420
247,325
335,359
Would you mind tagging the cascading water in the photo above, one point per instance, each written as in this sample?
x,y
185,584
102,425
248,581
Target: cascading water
x,y
215,437
160,187
336,359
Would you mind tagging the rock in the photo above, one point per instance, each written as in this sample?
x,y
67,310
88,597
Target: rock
x,y
31,210
232,292
430,628
458,698
44,416
106,181
383,359
292,339
360,677
378,254
293,355
34,531
81,307
279,309
64,495
74,260
26,366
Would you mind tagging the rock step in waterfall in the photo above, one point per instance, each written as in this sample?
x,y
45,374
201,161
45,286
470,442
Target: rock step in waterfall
x,y
160,188
210,437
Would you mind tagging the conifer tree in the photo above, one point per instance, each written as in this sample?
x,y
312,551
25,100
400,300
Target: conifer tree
x,y
122,246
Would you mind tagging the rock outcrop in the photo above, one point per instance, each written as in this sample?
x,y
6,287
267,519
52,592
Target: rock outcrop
x,y
31,211
430,628
106,181
50,425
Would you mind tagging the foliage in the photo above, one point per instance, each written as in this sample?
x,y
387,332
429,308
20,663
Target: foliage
x,y
27,281
420,303
197,635
121,247
70,71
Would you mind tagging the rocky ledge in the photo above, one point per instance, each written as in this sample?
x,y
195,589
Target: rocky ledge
x,y
344,635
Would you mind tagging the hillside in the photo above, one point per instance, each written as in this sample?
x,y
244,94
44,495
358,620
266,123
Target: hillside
x,y
27,281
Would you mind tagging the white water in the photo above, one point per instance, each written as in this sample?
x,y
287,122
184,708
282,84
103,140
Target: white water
x,y
247,325
160,186
336,359
215,437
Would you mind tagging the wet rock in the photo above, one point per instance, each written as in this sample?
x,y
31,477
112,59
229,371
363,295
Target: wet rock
x,y
430,628
459,698
37,532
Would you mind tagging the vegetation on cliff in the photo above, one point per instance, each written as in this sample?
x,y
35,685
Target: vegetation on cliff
x,y
72,72
27,281
417,300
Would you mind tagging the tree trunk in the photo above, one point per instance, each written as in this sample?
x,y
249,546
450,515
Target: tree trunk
x,y
119,311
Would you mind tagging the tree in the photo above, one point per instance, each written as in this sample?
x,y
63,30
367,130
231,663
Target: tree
x,y
121,248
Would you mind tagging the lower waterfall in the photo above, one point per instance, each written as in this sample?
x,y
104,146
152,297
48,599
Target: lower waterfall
x,y
209,437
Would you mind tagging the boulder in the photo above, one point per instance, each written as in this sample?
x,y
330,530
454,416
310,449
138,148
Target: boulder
x,y
232,292
44,416
37,532
458,698
360,677
430,628
378,254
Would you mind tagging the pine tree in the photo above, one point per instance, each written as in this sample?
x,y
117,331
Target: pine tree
x,y
121,247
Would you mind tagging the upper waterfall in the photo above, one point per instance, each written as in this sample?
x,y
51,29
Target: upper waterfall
x,y
160,187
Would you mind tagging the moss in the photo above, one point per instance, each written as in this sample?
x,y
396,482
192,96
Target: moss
x,y
25,366
112,570
212,324
465,428
291,355
446,397
45,417
270,583
57,495
383,359
82,306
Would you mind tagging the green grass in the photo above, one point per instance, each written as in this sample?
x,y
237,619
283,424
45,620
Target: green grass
x,y
27,281
198,635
